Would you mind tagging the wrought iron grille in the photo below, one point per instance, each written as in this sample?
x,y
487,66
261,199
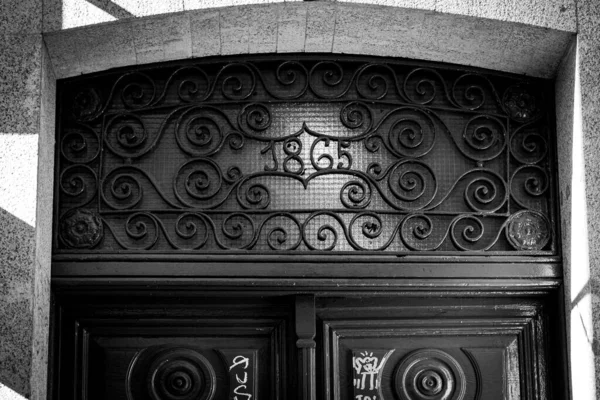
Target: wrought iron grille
x,y
302,155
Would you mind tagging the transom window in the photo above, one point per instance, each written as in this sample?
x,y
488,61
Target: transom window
x,y
305,154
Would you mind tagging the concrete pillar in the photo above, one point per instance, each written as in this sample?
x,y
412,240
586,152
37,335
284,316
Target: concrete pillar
x,y
26,179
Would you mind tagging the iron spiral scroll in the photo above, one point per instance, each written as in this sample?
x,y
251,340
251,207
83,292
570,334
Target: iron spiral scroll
x,y
305,155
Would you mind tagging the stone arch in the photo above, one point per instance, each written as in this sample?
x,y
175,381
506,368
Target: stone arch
x,y
319,27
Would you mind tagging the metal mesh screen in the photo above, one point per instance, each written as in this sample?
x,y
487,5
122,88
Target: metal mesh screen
x,y
302,155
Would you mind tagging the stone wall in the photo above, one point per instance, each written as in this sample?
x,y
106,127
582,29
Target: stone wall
x,y
26,186
553,14
528,37
588,64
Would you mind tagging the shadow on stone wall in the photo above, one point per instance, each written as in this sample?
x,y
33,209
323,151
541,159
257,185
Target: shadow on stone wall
x,y
17,252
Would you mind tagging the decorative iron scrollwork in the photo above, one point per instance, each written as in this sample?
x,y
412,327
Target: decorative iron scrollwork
x,y
305,155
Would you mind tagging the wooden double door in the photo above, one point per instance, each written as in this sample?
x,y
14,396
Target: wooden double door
x,y
306,226
346,341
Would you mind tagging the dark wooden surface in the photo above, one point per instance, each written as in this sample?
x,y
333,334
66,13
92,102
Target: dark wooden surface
x,y
309,341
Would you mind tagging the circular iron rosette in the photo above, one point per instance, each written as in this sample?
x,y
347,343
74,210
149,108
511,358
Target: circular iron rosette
x,y
170,373
522,103
528,230
85,103
430,374
81,229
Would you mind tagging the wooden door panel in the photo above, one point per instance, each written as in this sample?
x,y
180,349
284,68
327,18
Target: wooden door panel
x,y
423,350
146,354
367,347
169,366
455,367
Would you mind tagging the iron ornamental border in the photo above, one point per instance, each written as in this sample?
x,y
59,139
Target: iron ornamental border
x,y
305,154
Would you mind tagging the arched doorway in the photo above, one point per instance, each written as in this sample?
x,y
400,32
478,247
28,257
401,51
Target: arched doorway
x,y
310,226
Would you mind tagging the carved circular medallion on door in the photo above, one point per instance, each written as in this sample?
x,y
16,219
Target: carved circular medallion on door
x,y
170,373
430,375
